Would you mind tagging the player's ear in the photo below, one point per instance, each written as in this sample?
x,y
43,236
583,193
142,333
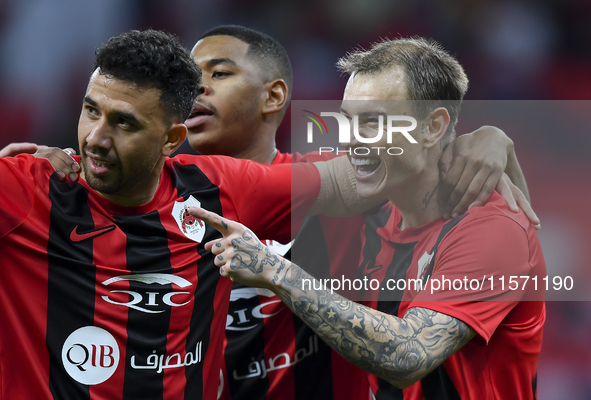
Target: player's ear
x,y
435,127
176,135
276,94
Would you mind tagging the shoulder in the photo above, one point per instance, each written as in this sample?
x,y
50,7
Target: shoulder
x,y
202,161
24,166
495,212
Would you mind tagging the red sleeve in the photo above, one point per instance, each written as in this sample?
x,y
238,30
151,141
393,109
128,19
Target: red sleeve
x,y
314,156
17,189
489,246
265,198
273,198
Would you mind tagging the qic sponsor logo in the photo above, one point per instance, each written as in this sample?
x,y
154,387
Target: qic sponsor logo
x,y
391,127
90,355
242,318
151,298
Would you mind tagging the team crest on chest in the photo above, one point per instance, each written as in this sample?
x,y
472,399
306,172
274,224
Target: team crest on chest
x,y
191,227
424,262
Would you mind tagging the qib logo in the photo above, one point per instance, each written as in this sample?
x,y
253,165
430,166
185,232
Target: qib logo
x,y
345,131
90,355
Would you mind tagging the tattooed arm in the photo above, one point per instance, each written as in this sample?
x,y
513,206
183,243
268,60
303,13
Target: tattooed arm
x,y
400,350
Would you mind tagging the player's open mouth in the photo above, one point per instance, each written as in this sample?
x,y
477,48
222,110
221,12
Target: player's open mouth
x,y
97,165
199,115
365,166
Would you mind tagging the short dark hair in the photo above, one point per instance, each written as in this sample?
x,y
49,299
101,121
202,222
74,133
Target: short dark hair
x,y
157,59
262,47
432,74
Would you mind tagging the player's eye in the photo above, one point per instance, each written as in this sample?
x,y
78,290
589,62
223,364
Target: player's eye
x,y
91,111
220,74
371,123
124,124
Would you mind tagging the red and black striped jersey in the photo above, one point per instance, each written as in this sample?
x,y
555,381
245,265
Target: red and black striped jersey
x,y
100,301
470,255
270,354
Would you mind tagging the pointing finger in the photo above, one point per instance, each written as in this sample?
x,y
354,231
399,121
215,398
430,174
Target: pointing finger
x,y
222,225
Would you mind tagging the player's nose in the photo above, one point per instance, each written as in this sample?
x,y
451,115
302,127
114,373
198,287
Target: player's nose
x,y
204,90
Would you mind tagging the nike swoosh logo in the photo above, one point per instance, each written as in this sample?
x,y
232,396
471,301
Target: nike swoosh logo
x,y
75,236
370,270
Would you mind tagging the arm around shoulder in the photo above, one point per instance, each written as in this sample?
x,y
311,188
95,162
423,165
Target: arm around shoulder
x,y
338,191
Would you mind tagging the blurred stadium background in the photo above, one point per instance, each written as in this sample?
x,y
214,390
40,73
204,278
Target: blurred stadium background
x,y
511,50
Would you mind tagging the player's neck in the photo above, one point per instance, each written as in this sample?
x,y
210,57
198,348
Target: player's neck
x,y
134,195
263,152
418,200
133,199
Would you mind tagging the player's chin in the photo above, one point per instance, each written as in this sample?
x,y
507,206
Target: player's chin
x,y
206,143
196,137
371,191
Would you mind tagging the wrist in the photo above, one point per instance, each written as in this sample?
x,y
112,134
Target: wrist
x,y
277,282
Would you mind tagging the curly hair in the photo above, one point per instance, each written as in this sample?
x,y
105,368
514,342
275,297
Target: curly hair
x,y
157,59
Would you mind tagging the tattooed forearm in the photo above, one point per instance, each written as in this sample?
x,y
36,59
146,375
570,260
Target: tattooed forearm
x,y
400,350
278,271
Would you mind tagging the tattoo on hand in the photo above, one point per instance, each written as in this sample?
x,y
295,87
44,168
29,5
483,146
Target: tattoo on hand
x,y
251,246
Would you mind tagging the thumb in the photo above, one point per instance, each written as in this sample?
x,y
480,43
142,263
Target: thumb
x,y
224,226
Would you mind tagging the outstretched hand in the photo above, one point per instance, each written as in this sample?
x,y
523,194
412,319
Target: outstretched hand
x,y
239,253
14,149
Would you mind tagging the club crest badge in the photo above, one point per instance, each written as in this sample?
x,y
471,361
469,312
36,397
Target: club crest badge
x,y
191,227
424,262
